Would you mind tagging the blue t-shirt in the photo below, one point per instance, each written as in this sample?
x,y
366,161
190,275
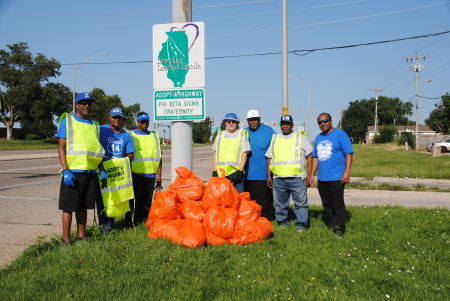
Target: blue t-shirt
x,y
115,144
62,134
145,175
256,166
330,151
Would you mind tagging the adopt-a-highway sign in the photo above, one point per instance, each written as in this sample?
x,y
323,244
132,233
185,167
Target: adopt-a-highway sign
x,y
173,105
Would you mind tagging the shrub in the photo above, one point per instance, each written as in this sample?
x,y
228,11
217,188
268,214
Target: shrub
x,y
386,134
406,137
32,137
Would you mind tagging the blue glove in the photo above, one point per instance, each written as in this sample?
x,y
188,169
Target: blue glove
x,y
69,178
103,179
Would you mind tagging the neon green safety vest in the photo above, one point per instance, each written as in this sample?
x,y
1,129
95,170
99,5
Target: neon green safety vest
x,y
83,148
147,156
229,151
285,155
120,187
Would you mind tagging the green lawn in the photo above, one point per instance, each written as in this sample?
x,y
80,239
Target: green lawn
x,y
387,253
28,144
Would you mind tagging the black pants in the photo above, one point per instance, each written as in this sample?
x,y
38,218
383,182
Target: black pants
x,y
262,194
143,195
332,195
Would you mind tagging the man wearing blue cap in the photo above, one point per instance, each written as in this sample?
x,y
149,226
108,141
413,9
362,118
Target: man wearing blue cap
x,y
80,153
117,144
230,152
146,169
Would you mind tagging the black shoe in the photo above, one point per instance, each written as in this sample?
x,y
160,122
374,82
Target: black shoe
x,y
339,233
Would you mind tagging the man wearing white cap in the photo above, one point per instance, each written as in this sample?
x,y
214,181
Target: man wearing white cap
x,y
117,144
260,136
146,169
230,152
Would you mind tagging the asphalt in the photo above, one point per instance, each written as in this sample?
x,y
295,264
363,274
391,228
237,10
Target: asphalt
x,y
353,197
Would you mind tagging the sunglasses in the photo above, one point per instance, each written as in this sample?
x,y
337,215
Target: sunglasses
x,y
230,121
83,103
143,121
323,121
252,119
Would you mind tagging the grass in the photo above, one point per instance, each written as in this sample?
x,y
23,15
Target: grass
x,y
390,160
387,252
387,186
28,144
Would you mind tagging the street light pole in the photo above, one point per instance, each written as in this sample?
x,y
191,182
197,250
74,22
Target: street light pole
x,y
75,68
309,104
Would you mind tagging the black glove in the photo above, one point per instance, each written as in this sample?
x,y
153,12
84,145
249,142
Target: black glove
x,y
214,173
238,175
158,186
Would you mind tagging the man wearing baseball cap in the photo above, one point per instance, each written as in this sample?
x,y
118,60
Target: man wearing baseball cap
x,y
260,136
80,153
288,154
146,169
117,144
230,152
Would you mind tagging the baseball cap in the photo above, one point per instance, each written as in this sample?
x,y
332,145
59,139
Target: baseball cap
x,y
143,117
287,118
83,96
116,112
253,114
230,116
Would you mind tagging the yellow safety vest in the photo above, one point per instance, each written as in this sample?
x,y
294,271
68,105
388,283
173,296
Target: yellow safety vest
x,y
83,148
285,153
229,151
120,187
147,156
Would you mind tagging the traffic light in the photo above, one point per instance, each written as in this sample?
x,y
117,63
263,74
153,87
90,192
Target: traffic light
x,y
274,124
212,122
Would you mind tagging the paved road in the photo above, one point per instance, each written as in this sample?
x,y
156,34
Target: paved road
x,y
29,190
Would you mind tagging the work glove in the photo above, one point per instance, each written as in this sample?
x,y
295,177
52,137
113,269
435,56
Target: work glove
x,y
214,174
238,175
103,179
69,178
158,186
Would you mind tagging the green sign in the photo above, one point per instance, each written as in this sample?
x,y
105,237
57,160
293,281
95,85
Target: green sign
x,y
173,105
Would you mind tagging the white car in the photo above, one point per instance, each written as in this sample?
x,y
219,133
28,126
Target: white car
x,y
444,144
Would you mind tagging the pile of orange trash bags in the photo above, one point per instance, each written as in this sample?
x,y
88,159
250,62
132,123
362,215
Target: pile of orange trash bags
x,y
193,214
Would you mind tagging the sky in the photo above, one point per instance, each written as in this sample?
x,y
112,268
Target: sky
x,y
243,44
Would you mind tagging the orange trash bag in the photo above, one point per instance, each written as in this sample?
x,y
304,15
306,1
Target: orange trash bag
x,y
187,186
192,209
243,235
158,226
249,211
164,207
192,234
213,239
220,221
173,229
261,227
220,192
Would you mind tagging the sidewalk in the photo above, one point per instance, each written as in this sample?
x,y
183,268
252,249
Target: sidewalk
x,y
28,154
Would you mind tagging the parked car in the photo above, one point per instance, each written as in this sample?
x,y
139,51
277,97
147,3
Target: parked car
x,y
444,144
168,141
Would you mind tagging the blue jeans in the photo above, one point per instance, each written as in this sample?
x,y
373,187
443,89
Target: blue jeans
x,y
282,189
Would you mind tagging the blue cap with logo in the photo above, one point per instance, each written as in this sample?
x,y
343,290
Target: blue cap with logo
x,y
287,118
230,116
83,96
143,117
116,112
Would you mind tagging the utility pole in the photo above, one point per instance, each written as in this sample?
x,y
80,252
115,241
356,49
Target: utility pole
x,y
376,107
416,68
340,119
284,42
181,130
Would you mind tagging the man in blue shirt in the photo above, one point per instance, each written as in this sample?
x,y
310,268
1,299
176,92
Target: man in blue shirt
x,y
260,136
332,155
117,144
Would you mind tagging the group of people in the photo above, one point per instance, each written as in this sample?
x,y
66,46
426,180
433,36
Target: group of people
x,y
275,167
83,146
271,167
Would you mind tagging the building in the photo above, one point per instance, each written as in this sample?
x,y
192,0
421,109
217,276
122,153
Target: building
x,y
424,131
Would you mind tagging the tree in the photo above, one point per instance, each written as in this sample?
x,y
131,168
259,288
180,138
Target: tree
x,y
439,119
103,104
22,74
201,132
361,113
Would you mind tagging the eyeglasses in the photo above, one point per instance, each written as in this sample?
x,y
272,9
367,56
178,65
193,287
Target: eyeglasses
x,y
323,121
143,121
83,103
230,121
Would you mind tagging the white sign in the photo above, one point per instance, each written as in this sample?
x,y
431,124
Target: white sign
x,y
179,56
177,105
